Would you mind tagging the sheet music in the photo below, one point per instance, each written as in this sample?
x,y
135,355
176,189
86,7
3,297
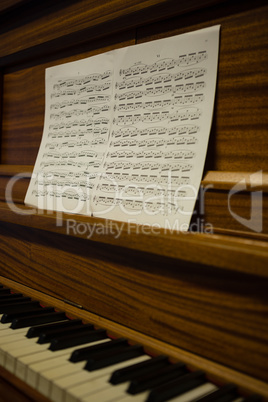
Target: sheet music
x,y
126,132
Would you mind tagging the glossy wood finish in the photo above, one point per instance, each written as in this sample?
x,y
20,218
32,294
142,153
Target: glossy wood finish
x,y
215,372
219,314
204,295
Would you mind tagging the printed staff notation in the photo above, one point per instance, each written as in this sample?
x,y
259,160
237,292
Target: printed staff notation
x,y
58,194
163,208
161,104
80,112
165,64
171,179
162,90
140,190
161,78
67,183
93,164
154,142
180,154
126,165
151,131
187,88
78,134
82,80
150,117
79,123
80,91
50,175
73,144
81,101
80,154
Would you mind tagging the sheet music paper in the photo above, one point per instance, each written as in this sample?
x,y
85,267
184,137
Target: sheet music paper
x,y
126,132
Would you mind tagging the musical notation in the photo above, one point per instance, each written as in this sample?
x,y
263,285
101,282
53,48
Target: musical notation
x,y
71,195
79,123
155,117
81,101
151,166
80,154
147,178
161,104
82,80
152,154
140,190
78,134
156,91
73,144
165,65
80,112
85,165
154,142
163,78
80,91
152,207
125,130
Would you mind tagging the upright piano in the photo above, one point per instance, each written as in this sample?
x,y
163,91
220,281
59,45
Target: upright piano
x,y
199,298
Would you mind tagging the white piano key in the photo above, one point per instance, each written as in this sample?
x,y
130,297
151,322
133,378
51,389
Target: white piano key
x,y
34,370
62,387
196,393
9,346
129,398
25,361
46,378
188,396
99,381
13,355
104,394
9,331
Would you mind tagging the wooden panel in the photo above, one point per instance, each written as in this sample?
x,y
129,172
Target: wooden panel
x,y
239,140
217,314
51,21
243,212
24,102
227,252
214,372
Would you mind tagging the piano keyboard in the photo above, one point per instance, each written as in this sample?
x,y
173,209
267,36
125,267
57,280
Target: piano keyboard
x,y
69,361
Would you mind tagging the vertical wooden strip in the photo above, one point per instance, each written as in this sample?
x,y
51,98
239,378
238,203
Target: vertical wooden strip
x,y
1,111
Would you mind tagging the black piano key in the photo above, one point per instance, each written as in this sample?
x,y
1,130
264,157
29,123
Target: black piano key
x,y
18,306
34,332
77,339
85,353
9,317
64,332
135,370
157,377
37,320
10,296
177,387
105,359
227,393
16,300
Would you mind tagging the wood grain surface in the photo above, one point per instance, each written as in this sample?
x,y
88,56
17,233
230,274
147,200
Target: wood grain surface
x,y
214,372
215,313
203,294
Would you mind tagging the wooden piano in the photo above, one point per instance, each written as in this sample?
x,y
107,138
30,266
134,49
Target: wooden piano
x,y
201,297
